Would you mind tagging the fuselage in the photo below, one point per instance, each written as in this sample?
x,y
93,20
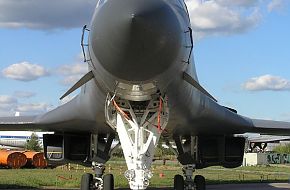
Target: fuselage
x,y
138,48
141,44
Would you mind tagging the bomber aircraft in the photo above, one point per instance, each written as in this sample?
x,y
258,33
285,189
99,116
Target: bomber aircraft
x,y
142,86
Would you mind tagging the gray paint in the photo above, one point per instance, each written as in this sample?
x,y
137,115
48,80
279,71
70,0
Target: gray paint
x,y
135,40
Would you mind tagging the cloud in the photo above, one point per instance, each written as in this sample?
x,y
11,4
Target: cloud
x,y
24,94
242,3
267,82
24,71
4,99
223,17
32,108
70,80
73,72
73,69
211,17
277,5
43,14
7,103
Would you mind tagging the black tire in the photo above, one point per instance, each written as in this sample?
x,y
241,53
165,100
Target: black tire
x,y
86,181
178,182
199,182
108,182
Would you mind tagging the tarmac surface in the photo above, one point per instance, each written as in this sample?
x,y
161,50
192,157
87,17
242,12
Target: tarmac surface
x,y
255,186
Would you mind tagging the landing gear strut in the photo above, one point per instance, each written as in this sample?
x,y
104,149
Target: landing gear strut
x,y
139,125
99,172
187,172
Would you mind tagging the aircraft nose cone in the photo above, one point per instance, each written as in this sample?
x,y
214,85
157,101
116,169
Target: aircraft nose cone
x,y
135,40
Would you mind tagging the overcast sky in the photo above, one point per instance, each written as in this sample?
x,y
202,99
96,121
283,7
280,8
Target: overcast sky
x,y
242,53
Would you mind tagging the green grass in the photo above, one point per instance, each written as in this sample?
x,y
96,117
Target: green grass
x,y
36,178
63,178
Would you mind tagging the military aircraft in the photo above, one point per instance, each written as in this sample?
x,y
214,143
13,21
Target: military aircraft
x,y
142,86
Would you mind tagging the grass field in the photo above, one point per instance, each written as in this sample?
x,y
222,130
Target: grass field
x,y
62,177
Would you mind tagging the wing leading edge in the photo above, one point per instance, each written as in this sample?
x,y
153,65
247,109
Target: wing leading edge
x,y
34,123
17,123
271,127
68,117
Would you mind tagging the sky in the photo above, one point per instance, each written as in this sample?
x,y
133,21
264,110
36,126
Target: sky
x,y
242,53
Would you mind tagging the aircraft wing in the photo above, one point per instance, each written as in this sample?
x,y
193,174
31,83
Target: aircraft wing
x,y
271,127
17,123
268,139
77,115
32,123
74,116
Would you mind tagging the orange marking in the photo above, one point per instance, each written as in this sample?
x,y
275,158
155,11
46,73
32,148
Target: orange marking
x,y
120,110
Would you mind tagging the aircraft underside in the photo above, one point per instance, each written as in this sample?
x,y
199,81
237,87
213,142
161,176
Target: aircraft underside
x,y
138,126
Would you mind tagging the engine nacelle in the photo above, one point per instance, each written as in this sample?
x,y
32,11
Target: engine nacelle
x,y
205,151
63,148
222,151
77,148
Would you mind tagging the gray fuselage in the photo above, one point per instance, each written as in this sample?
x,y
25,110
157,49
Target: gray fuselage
x,y
137,47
